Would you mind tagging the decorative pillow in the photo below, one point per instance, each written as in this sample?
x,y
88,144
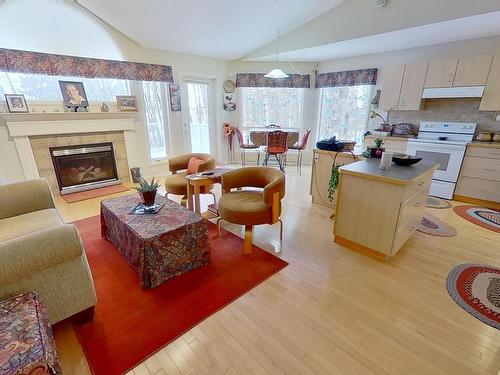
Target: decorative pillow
x,y
194,164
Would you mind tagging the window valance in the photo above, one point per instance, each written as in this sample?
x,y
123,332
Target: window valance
x,y
258,80
73,66
347,78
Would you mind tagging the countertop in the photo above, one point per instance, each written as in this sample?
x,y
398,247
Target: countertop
x,y
395,137
484,144
396,174
343,153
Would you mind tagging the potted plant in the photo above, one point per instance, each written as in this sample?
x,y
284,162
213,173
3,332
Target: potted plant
x,y
148,191
334,182
376,152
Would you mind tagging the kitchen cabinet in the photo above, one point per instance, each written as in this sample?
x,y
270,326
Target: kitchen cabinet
x,y
441,73
392,80
491,96
321,172
378,210
473,70
479,180
410,98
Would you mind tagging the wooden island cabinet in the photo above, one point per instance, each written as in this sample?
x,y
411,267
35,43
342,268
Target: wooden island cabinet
x,y
378,210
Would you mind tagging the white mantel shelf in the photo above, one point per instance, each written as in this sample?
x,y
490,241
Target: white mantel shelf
x,y
66,116
21,126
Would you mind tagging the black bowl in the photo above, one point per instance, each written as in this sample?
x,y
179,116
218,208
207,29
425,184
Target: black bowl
x,y
402,159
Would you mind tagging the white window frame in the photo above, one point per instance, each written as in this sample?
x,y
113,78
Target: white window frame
x,y
320,112
240,103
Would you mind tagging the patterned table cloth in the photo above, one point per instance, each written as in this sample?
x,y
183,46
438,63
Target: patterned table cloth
x,y
26,342
157,246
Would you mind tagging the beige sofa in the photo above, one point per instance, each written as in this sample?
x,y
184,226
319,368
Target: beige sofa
x,y
38,252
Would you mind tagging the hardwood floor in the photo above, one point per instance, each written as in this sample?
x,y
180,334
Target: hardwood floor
x,y
332,311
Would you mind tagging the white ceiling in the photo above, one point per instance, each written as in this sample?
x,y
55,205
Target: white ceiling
x,y
225,29
437,33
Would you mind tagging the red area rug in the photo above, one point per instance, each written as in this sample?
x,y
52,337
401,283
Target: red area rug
x,y
131,323
484,217
94,193
476,289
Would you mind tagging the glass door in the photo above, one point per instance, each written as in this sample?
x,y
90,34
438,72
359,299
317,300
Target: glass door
x,y
197,126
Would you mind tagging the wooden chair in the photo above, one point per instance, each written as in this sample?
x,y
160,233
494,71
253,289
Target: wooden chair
x,y
277,146
299,147
246,147
252,207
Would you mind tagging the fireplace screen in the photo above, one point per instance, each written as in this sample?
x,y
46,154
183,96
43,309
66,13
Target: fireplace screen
x,y
84,166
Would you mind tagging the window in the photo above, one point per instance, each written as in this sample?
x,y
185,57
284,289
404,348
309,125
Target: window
x,y
154,108
344,112
262,106
41,88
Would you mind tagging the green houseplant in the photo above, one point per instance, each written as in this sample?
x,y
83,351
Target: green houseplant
x,y
334,182
148,191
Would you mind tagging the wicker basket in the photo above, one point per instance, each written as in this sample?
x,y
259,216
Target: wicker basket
x,y
348,145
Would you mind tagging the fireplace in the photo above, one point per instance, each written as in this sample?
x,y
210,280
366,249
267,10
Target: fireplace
x,y
84,167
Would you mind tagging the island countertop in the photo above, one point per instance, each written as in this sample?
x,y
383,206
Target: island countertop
x,y
397,174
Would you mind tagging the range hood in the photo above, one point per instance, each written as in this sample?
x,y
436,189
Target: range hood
x,y
453,92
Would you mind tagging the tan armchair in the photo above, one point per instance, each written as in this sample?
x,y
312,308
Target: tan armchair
x,y
176,182
38,252
252,207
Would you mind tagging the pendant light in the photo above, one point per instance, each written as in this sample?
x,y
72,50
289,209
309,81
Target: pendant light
x,y
277,73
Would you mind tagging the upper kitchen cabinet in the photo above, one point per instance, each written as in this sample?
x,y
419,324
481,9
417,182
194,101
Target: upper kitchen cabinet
x,y
473,70
491,96
412,86
392,79
441,73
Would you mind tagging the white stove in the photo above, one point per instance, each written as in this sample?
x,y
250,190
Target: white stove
x,y
443,143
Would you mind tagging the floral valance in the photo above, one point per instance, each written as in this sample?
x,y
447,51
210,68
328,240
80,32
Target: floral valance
x,y
258,80
347,78
73,66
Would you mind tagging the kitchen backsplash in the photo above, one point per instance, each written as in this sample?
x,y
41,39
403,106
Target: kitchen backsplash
x,y
460,110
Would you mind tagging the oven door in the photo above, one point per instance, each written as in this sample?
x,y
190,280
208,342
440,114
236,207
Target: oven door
x,y
448,156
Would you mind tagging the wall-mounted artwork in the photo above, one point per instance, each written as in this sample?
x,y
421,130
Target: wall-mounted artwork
x,y
175,97
127,103
73,94
16,103
229,102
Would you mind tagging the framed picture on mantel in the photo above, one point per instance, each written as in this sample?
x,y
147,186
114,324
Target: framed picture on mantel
x,y
16,103
127,103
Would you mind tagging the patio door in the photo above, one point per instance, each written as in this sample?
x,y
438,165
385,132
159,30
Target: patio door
x,y
198,116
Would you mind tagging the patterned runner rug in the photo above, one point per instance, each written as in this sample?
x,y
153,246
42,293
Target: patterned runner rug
x,y
434,202
481,216
436,227
476,289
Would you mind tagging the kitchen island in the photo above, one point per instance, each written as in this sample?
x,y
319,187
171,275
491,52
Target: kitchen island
x,y
378,210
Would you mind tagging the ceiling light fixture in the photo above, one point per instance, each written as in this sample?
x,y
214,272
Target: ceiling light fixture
x,y
276,72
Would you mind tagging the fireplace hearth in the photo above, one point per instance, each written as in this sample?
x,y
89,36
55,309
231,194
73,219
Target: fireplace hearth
x,y
84,167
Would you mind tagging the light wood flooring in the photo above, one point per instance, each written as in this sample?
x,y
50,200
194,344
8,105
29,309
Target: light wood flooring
x,y
332,311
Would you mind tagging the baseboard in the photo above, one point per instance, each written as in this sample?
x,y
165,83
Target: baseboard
x,y
360,248
478,202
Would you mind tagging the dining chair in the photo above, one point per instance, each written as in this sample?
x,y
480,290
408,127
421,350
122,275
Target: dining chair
x,y
299,147
277,146
246,147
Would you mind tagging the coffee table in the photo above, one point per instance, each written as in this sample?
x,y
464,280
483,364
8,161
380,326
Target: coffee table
x,y
157,246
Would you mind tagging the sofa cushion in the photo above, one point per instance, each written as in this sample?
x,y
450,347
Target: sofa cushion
x,y
194,164
245,207
27,223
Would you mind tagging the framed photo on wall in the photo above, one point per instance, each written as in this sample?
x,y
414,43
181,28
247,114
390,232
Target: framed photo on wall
x,y
16,103
229,102
175,97
73,94
127,103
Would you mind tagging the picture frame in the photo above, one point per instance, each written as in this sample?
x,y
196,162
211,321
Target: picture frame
x,y
229,102
73,94
16,103
175,97
127,103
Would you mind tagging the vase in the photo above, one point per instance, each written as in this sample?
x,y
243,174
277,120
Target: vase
x,y
148,198
135,172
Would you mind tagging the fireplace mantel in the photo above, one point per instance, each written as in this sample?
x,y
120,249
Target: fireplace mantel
x,y
21,126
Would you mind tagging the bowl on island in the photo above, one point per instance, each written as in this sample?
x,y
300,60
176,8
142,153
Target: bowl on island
x,y
404,159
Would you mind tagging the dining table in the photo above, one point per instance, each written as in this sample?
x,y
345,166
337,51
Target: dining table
x,y
258,136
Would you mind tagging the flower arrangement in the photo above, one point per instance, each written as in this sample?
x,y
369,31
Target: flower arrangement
x,y
229,130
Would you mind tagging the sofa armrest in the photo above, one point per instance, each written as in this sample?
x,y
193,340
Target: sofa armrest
x,y
23,197
39,250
